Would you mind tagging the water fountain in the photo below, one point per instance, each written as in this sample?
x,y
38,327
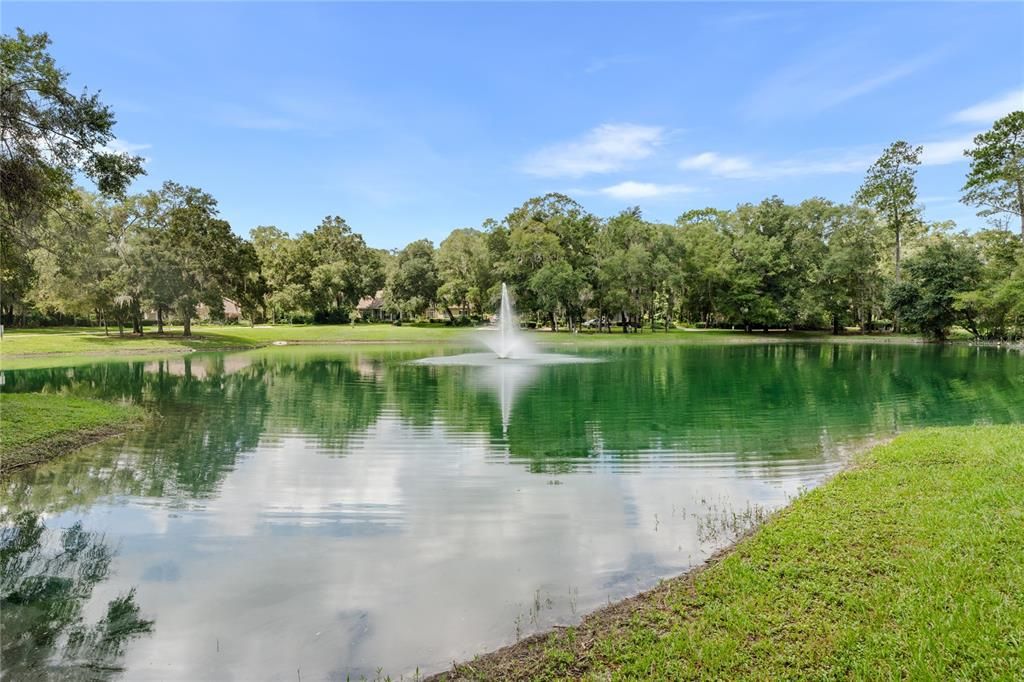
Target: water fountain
x,y
510,342
513,362
509,345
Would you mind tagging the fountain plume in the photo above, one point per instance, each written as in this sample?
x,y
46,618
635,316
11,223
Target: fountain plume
x,y
509,342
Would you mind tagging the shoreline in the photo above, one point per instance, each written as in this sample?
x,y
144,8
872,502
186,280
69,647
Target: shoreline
x,y
63,445
62,426
796,595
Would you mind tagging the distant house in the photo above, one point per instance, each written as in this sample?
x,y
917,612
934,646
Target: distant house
x,y
440,312
372,308
232,311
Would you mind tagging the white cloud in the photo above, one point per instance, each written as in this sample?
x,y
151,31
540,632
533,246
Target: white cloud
x,y
116,146
988,111
943,152
825,162
716,164
604,149
825,78
739,167
873,82
642,190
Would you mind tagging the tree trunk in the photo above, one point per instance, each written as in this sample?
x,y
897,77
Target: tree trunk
x,y
1020,207
554,322
159,318
188,325
835,325
895,313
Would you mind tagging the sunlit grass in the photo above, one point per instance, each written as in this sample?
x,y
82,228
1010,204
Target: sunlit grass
x,y
38,426
33,348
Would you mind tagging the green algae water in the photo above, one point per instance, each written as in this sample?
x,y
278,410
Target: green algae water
x,y
325,513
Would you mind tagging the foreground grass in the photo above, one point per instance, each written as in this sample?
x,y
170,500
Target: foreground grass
x,y
909,566
35,427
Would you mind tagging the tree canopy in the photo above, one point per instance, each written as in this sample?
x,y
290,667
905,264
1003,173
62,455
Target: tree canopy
x,y
68,253
995,182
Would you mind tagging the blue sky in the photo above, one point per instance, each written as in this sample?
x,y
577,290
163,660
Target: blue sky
x,y
410,120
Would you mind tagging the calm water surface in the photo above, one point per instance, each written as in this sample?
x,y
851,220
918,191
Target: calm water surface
x,y
312,514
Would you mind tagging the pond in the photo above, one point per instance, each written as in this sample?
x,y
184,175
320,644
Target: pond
x,y
322,513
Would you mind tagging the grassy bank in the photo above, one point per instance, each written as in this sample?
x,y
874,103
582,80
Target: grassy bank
x,y
35,427
908,566
23,349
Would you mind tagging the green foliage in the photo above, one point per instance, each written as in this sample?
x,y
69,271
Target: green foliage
x,y
322,273
995,182
945,268
890,189
465,271
49,135
412,283
544,251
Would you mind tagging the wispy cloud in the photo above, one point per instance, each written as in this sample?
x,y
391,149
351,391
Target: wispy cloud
x,y
944,152
116,146
826,78
124,147
825,162
643,190
990,110
741,167
717,164
606,148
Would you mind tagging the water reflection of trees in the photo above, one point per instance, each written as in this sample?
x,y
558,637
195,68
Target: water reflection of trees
x,y
212,409
742,400
46,579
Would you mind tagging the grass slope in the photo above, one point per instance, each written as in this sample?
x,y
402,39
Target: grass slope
x,y
35,427
909,566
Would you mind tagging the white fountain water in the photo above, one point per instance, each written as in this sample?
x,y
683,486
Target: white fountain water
x,y
509,344
513,362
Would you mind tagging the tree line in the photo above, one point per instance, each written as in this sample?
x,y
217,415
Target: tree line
x,y
113,258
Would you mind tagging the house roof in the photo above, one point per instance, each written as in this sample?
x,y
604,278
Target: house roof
x,y
375,302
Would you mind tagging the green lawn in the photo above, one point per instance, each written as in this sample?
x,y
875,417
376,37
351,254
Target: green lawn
x,y
909,566
23,349
38,426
